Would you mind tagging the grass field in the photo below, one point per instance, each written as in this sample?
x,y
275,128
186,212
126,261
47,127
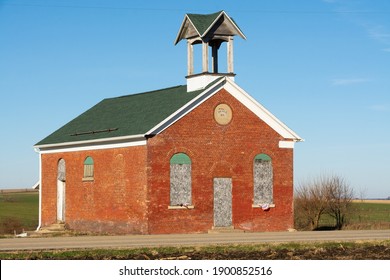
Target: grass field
x,y
365,214
18,211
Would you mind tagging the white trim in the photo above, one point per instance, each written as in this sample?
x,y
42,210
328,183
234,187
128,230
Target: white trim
x,y
198,82
286,144
93,141
98,146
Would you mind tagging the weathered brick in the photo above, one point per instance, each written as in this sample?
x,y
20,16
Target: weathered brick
x,y
115,201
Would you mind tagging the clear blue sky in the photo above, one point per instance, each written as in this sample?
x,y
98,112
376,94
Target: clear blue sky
x,y
321,66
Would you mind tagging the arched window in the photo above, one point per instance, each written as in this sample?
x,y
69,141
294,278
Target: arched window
x,y
61,170
262,180
180,180
88,168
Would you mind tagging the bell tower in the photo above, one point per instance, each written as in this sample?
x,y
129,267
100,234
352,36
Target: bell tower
x,y
211,31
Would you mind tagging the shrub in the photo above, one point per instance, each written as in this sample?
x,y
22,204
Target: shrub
x,y
10,225
329,195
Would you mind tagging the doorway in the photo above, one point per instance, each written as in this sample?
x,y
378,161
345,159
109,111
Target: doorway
x,y
223,202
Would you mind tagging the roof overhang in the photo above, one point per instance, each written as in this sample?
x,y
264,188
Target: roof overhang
x,y
95,144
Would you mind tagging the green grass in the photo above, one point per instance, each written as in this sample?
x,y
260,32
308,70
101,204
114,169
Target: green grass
x,y
18,211
371,212
364,216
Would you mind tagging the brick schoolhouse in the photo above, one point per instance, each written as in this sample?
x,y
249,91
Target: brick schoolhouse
x,y
184,159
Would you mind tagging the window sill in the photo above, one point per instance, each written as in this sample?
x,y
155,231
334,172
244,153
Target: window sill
x,y
179,207
261,205
88,179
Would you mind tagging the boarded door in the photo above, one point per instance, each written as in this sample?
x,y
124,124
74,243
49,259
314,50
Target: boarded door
x,y
222,202
60,201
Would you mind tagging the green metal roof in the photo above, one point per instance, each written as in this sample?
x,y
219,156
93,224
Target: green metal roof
x,y
122,116
203,22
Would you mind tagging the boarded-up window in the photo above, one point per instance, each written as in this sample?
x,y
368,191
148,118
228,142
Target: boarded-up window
x,y
180,178
88,168
61,170
263,180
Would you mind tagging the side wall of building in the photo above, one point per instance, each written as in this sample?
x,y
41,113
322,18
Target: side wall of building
x,y
114,201
219,151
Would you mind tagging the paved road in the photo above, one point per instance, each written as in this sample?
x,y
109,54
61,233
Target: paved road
x,y
136,241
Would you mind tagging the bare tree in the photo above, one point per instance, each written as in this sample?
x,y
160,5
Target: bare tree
x,y
339,196
327,194
310,203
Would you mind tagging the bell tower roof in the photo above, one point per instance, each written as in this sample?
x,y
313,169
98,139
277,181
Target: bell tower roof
x,y
199,25
210,31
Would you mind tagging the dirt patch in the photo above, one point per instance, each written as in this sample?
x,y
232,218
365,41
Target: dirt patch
x,y
375,252
297,251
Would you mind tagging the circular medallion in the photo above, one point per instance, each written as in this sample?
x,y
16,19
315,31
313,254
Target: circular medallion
x,y
223,114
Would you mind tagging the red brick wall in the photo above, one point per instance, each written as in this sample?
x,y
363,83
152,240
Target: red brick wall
x,y
219,151
115,201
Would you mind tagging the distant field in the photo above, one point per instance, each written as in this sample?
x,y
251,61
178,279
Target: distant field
x,y
18,211
380,201
366,214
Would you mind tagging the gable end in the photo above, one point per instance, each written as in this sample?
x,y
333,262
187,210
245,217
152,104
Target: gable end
x,y
243,97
